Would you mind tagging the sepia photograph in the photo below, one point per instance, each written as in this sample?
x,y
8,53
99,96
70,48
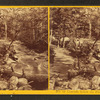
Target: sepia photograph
x,y
74,48
24,48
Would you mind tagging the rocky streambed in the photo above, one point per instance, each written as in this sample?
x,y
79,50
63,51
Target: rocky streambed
x,y
28,72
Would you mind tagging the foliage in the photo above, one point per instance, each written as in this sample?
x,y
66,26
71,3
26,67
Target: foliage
x,y
52,55
77,22
82,51
29,25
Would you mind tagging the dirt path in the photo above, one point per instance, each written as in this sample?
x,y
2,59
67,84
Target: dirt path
x,y
58,70
59,79
62,61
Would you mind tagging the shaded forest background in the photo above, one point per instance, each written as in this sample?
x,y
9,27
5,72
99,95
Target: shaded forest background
x,y
77,22
29,25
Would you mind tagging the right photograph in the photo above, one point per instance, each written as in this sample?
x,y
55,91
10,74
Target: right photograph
x,y
74,48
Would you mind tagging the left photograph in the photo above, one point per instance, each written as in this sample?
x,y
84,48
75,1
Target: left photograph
x,y
24,48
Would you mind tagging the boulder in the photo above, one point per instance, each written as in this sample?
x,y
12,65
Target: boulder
x,y
97,66
25,87
74,84
65,85
13,87
52,84
72,73
13,80
85,84
17,69
6,69
28,72
58,88
95,82
22,81
3,85
79,82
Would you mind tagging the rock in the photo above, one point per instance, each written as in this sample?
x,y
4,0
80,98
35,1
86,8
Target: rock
x,y
3,85
9,61
84,84
18,69
95,82
65,85
26,87
32,75
13,87
58,88
57,83
60,83
13,80
94,60
72,73
63,76
28,73
74,84
6,69
59,78
22,81
27,60
41,69
52,84
97,66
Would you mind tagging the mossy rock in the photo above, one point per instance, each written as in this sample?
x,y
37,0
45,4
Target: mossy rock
x,y
3,85
22,81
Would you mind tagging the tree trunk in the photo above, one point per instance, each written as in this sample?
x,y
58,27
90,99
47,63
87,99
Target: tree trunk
x,y
94,44
51,37
78,63
58,43
64,34
8,50
92,50
89,22
63,42
90,27
5,23
33,34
